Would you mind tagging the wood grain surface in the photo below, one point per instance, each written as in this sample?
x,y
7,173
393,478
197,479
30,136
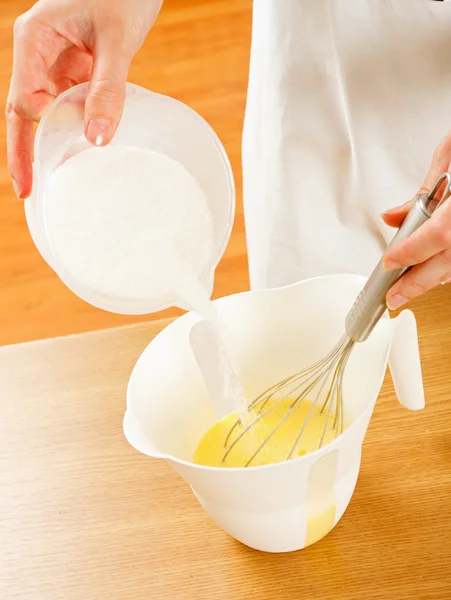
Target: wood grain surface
x,y
198,52
85,517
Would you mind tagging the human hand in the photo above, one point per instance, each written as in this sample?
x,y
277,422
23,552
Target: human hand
x,y
58,44
428,250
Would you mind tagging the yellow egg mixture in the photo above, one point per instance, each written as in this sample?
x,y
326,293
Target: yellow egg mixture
x,y
211,448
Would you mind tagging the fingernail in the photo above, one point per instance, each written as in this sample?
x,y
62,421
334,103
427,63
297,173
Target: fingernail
x,y
446,281
17,189
99,131
390,265
396,301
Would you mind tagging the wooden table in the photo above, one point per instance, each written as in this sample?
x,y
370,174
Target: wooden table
x,y
85,517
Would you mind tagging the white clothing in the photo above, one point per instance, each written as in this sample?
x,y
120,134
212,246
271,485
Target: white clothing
x,y
347,100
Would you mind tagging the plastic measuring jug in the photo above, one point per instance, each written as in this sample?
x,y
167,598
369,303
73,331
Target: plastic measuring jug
x,y
271,335
150,121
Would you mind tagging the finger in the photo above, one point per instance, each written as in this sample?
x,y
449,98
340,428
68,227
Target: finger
x,y
72,67
19,132
106,96
432,237
395,216
36,49
420,279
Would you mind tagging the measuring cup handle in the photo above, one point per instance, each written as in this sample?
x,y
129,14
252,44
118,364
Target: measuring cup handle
x,y
405,364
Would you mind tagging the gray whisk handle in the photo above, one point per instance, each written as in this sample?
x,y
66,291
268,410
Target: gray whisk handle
x,y
371,302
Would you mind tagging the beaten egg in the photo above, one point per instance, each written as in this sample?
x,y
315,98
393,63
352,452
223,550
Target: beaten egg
x,y
275,418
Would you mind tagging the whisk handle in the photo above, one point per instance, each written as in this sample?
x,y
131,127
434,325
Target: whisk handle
x,y
371,302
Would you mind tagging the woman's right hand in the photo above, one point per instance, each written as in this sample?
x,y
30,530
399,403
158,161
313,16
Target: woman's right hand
x,y
60,43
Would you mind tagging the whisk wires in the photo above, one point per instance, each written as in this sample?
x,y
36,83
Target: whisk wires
x,y
310,382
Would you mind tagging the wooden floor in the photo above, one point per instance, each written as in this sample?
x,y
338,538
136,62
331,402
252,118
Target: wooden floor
x,y
198,52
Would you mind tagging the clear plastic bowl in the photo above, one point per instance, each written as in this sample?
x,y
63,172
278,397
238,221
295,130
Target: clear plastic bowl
x,y
150,121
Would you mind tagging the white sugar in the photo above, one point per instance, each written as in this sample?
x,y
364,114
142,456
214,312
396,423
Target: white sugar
x,y
134,224
128,222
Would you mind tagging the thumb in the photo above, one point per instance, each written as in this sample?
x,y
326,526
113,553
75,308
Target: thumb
x,y
106,96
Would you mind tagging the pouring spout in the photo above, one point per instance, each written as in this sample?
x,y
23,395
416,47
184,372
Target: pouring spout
x,y
136,437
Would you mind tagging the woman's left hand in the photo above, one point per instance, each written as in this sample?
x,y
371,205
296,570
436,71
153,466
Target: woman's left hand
x,y
428,250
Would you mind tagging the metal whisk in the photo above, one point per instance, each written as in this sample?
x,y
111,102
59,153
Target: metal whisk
x,y
323,380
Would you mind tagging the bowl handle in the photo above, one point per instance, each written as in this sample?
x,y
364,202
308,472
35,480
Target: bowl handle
x,y
405,364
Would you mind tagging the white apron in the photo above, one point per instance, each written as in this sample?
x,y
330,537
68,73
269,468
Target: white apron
x,y
347,100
